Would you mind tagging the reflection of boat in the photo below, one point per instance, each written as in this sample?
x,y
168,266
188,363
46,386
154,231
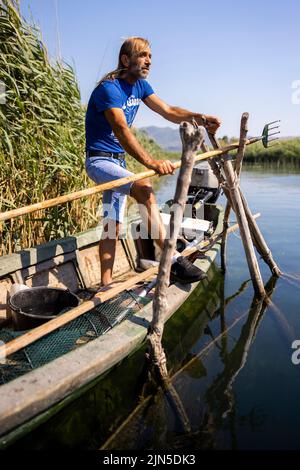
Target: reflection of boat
x,y
58,366
214,404
90,418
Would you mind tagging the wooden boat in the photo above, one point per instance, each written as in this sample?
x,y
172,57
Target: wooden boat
x,y
46,372
65,362
87,418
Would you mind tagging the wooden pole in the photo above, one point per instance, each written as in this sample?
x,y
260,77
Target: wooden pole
x,y
264,251
242,144
238,168
217,172
109,185
257,237
259,241
233,193
237,203
191,142
224,236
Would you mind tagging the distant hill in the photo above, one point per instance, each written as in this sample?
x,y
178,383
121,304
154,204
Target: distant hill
x,y
166,137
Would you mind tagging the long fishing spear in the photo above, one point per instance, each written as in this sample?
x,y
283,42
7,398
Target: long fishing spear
x,y
265,138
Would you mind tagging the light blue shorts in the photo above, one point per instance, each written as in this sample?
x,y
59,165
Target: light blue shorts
x,y
103,170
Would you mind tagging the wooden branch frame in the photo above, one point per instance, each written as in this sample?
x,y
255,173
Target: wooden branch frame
x,y
191,141
238,168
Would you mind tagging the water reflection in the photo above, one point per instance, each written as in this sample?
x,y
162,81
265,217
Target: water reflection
x,y
154,424
219,397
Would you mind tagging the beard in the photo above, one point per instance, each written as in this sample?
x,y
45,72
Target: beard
x,y
136,71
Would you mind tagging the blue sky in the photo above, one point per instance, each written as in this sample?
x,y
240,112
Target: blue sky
x,y
220,58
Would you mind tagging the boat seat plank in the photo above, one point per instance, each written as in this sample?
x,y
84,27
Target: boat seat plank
x,y
5,285
32,256
89,263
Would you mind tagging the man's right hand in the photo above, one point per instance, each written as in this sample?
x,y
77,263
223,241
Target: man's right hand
x,y
162,167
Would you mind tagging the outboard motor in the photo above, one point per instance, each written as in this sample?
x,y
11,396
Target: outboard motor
x,y
204,185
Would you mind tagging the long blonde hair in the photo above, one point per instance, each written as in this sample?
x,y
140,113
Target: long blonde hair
x,y
131,46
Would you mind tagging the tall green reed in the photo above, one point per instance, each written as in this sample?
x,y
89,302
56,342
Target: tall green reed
x,y
42,138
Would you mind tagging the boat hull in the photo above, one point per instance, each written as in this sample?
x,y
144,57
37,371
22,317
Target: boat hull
x,y
26,401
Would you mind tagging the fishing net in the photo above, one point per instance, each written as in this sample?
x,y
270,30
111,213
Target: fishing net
x,y
78,332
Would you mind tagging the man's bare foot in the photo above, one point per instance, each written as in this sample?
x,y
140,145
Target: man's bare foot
x,y
109,286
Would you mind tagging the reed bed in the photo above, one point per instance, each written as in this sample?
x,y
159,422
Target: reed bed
x,y
42,142
42,138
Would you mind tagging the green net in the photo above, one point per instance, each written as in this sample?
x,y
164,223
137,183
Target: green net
x,y
78,332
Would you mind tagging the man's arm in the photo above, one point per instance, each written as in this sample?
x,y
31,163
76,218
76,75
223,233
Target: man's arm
x,y
130,144
176,115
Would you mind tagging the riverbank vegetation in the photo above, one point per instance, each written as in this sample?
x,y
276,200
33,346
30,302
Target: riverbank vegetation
x,y
284,154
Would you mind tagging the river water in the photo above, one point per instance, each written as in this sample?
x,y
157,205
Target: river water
x,y
230,359
239,389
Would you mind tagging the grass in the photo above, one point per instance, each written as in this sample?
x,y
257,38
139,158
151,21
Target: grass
x,y
42,138
284,154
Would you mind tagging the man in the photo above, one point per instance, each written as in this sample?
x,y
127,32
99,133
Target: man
x,y
111,110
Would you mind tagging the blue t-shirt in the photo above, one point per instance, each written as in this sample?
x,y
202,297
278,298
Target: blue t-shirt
x,y
112,94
